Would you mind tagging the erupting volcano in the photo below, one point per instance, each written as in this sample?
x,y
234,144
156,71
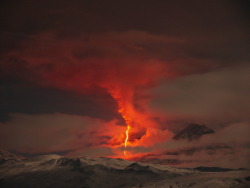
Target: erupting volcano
x,y
126,140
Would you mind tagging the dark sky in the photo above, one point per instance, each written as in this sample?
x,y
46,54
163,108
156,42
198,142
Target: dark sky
x,y
66,67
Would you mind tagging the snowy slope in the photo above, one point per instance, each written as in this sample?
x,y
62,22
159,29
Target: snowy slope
x,y
57,171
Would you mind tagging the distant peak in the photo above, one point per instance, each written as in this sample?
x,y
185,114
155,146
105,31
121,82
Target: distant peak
x,y
193,131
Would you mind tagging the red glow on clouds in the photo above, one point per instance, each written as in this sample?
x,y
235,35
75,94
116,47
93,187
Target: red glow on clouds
x,y
115,62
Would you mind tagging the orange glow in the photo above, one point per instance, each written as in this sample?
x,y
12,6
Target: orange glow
x,y
140,130
126,140
136,121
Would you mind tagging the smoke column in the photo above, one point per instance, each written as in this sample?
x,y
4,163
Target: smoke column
x,y
113,61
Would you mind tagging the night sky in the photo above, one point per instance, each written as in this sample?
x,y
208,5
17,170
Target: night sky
x,y
74,75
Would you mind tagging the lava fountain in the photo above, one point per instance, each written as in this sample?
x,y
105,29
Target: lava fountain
x,y
126,140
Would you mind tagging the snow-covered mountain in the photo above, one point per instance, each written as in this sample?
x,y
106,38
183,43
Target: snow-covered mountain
x,y
57,171
193,131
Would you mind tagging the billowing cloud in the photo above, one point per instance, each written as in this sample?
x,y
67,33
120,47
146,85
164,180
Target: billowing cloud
x,y
214,98
228,147
54,133
118,62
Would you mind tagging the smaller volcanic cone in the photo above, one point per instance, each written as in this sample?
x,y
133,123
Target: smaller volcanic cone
x,y
193,132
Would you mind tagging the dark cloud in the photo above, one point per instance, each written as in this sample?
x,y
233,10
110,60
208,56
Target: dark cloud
x,y
213,29
23,97
109,15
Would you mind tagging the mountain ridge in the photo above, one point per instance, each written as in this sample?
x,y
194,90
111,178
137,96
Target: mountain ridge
x,y
48,171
